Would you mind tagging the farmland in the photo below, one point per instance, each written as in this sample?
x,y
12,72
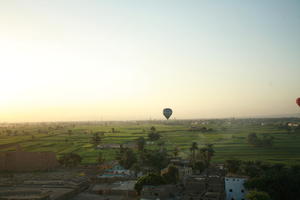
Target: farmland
x,y
229,137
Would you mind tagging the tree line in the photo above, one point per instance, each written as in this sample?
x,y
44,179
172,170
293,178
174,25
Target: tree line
x,y
278,180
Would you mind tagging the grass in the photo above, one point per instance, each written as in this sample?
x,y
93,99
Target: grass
x,y
229,139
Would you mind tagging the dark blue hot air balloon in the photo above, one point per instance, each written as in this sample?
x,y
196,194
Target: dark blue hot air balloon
x,y
167,112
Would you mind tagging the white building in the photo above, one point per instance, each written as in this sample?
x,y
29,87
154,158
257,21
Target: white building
x,y
234,187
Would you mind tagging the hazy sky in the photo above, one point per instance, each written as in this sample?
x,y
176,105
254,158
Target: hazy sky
x,y
124,60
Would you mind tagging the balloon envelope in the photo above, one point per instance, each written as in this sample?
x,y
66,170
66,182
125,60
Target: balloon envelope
x,y
298,101
167,112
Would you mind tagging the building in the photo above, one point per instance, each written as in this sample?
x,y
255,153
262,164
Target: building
x,y
27,161
151,192
118,172
118,169
184,172
195,185
130,145
234,187
212,196
24,195
183,166
121,188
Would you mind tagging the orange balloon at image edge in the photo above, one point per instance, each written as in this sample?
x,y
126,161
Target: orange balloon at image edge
x,y
298,101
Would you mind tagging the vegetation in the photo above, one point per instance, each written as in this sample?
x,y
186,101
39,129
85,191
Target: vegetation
x,y
100,158
171,175
70,160
206,153
141,142
233,166
277,180
153,136
126,158
229,137
257,195
193,150
155,161
150,179
96,139
265,141
176,151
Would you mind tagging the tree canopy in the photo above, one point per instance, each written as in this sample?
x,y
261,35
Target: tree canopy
x,y
70,160
150,179
258,195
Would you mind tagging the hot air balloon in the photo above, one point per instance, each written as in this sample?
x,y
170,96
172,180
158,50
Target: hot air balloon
x,y
298,101
167,112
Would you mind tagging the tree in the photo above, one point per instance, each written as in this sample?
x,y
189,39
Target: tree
x,y
100,158
251,168
252,138
155,161
154,136
278,181
265,141
199,166
206,154
193,149
70,132
176,151
161,145
141,144
150,179
127,158
70,160
136,167
96,139
233,166
258,195
153,129
171,175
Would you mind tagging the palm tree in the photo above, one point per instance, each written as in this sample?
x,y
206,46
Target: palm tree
x,y
176,151
153,129
207,152
100,158
70,132
96,139
193,149
141,142
161,145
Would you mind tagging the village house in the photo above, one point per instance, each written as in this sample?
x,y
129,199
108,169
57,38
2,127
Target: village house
x,y
119,188
234,187
150,192
212,196
116,171
293,124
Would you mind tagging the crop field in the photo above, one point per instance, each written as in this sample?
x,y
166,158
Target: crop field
x,y
228,136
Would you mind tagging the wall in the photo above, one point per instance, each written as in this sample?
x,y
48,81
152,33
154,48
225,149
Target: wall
x,y
27,161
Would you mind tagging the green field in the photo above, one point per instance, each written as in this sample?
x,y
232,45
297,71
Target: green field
x,y
228,136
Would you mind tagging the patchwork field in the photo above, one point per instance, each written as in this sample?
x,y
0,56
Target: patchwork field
x,y
228,136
